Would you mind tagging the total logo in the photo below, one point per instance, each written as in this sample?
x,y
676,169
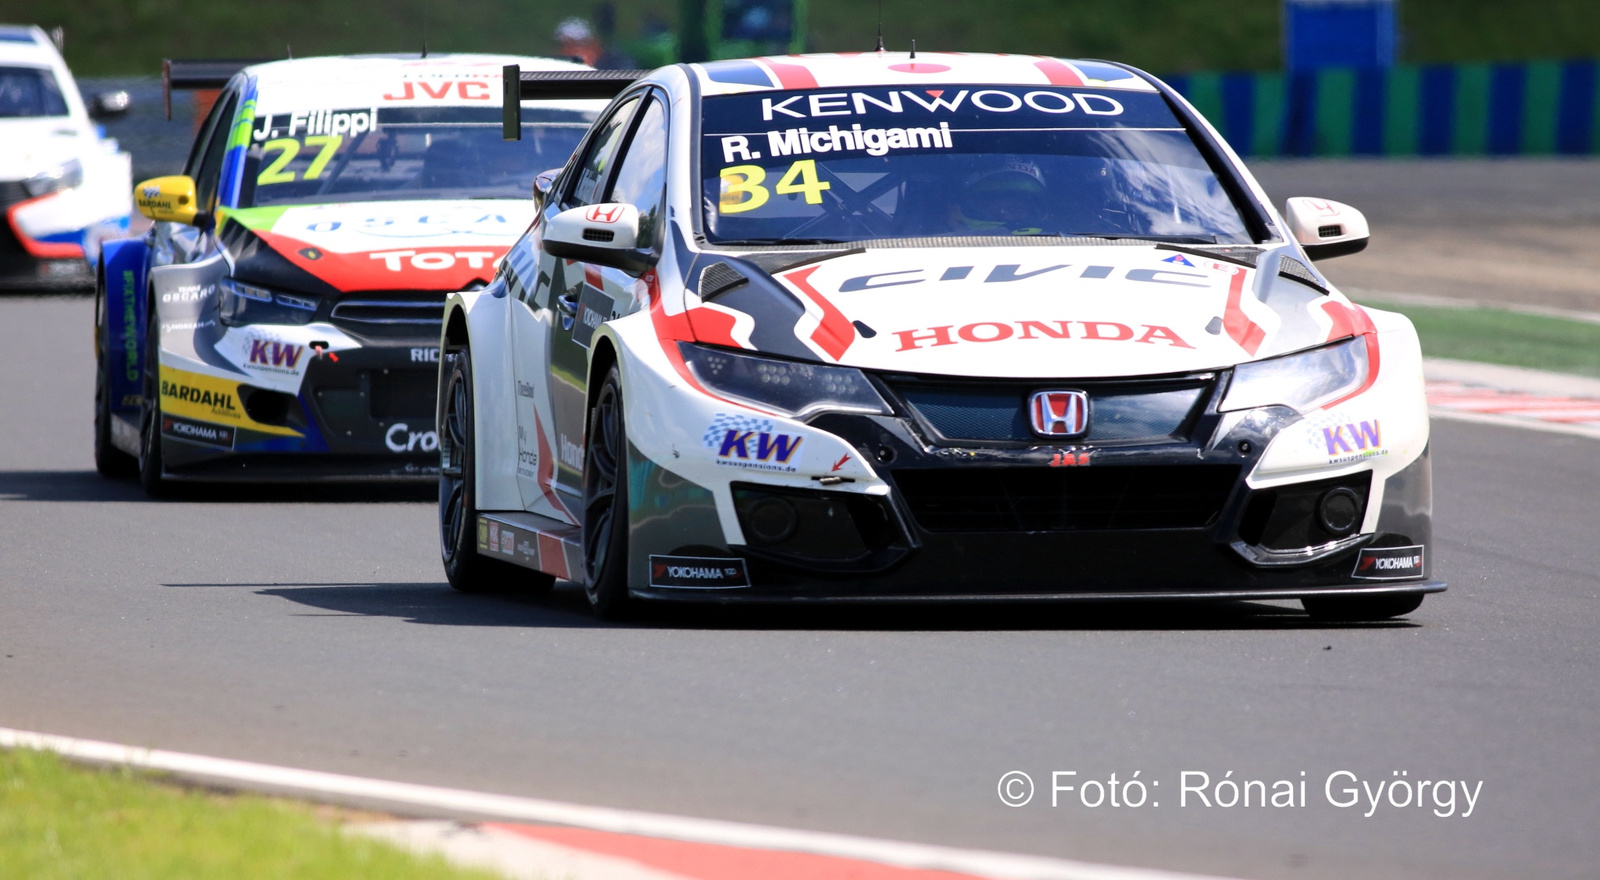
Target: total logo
x,y
400,438
747,442
432,261
278,357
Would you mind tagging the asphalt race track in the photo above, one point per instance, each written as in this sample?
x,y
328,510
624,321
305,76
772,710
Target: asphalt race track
x,y
312,627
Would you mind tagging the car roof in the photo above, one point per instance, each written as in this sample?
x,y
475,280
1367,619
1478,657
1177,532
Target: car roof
x,y
333,69
28,45
845,69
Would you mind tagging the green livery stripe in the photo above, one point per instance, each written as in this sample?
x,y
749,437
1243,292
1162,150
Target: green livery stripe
x,y
1541,107
1266,138
1335,111
242,128
257,219
1472,110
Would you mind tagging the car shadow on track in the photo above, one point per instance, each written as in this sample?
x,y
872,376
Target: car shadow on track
x,y
90,486
566,607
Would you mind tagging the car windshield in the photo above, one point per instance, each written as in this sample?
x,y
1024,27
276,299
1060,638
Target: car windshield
x,y
375,154
894,162
30,91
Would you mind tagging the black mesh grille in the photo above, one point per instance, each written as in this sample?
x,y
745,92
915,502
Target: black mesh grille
x,y
403,394
719,277
1289,267
370,310
11,192
1066,499
997,412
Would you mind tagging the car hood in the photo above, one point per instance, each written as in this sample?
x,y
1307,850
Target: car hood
x,y
30,146
1027,311
412,245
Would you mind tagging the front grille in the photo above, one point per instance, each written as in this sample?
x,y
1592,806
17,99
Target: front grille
x,y
389,311
997,411
11,192
1026,499
403,394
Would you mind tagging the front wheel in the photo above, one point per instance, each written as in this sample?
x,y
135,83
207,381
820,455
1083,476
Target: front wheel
x,y
466,569
108,459
605,502
1356,608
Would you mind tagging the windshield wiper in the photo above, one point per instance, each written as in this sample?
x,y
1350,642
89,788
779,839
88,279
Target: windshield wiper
x,y
802,241
1164,239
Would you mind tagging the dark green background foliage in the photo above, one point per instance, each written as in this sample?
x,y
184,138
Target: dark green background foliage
x,y
131,36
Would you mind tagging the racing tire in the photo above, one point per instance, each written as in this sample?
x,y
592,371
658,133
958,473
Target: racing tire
x,y
605,503
1356,608
150,464
467,570
108,459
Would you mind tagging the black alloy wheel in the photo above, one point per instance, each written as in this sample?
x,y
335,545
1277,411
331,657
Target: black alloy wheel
x,y
108,459
150,462
467,569
605,502
1357,608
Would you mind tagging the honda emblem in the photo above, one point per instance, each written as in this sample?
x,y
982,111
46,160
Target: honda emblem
x,y
603,214
1059,413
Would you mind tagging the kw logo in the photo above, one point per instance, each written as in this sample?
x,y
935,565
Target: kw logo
x,y
281,355
768,446
1352,438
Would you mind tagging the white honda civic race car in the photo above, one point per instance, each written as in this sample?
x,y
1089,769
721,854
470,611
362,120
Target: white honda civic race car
x,y
63,185
882,327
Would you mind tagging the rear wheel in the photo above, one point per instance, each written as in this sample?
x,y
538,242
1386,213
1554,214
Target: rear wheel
x,y
108,459
1353,608
150,463
468,570
605,502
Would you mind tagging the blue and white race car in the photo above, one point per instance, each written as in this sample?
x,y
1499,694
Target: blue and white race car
x,y
281,318
63,186
951,326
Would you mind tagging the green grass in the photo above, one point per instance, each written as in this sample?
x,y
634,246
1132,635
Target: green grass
x,y
118,37
1501,337
59,820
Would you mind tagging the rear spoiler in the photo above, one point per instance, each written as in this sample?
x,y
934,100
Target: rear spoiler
x,y
550,85
209,73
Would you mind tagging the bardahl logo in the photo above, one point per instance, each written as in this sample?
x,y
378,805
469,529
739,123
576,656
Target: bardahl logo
x,y
200,396
697,572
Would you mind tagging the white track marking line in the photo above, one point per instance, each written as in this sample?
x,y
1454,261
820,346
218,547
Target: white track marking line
x,y
1516,422
313,783
508,854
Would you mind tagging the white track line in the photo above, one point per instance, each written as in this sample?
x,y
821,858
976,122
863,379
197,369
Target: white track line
x,y
316,784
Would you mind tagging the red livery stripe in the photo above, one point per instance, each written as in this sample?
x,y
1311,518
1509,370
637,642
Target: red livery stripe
x,y
834,332
1247,333
1058,73
791,76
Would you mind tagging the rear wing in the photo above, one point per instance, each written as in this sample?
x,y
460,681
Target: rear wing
x,y
208,73
550,85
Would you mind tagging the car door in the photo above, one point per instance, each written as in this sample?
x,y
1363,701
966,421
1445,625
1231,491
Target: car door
x,y
546,303
601,293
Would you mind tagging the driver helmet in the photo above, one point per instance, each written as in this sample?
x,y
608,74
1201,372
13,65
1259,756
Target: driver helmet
x,y
1009,199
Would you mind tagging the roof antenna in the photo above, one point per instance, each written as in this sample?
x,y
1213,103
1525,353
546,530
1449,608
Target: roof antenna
x,y
880,25
289,51
424,48
913,48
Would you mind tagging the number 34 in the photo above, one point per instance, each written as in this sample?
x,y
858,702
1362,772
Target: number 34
x,y
742,190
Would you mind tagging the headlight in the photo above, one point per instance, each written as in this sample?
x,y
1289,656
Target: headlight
x,y
794,389
62,177
1302,381
247,304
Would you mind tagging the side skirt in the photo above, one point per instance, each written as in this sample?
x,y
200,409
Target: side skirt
x,y
532,541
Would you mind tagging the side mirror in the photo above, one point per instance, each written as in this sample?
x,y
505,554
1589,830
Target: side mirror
x,y
168,199
1326,229
606,234
108,104
542,185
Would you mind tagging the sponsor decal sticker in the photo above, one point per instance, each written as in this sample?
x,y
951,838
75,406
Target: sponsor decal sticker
x,y
1002,331
1179,259
752,443
218,436
1346,441
400,438
424,355
508,542
1069,458
483,534
1388,563
695,572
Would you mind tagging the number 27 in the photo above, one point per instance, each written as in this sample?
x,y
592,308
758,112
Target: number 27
x,y
289,148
